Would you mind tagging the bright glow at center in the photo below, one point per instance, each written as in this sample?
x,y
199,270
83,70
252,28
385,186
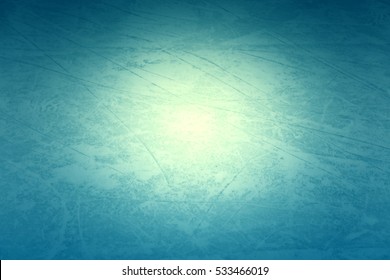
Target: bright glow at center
x,y
190,136
191,124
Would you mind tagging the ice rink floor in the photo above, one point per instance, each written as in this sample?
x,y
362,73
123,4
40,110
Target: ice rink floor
x,y
191,129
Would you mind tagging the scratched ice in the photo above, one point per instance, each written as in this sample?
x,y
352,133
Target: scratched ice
x,y
194,129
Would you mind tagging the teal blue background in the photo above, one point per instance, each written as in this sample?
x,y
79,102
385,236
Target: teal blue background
x,y
296,91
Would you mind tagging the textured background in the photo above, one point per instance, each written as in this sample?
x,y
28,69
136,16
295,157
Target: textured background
x,y
190,129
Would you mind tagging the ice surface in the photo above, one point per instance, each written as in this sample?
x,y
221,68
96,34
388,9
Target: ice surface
x,y
194,129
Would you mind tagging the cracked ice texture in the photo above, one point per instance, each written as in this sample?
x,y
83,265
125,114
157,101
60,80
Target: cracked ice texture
x,y
285,153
